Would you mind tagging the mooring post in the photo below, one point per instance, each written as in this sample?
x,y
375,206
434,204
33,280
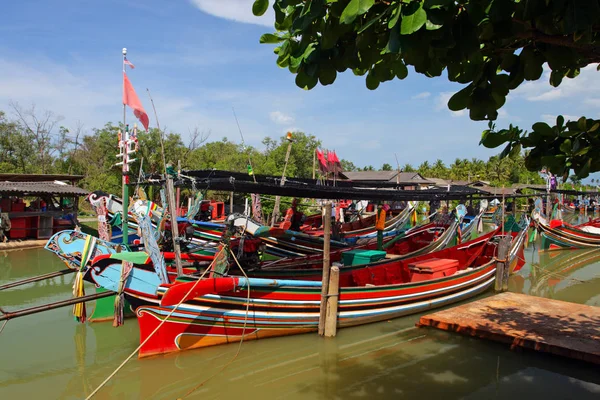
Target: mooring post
x,y
506,272
501,263
325,281
332,302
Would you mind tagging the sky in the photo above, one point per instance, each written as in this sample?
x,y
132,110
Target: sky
x,y
201,59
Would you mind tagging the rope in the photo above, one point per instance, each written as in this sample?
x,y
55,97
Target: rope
x,y
241,340
147,339
3,325
557,274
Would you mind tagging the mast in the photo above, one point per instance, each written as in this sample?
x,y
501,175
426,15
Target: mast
x,y
125,149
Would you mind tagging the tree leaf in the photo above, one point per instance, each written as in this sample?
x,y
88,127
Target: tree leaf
x,y
327,74
459,100
543,129
565,146
413,22
354,9
260,7
430,26
372,81
270,38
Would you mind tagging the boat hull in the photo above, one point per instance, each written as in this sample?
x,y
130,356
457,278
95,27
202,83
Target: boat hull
x,y
220,319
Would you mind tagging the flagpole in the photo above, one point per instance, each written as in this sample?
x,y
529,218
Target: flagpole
x,y
125,149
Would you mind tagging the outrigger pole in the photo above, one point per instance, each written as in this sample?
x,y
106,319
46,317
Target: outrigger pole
x,y
4,316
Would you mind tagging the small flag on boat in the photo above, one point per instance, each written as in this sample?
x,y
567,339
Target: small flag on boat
x,y
250,171
131,99
127,62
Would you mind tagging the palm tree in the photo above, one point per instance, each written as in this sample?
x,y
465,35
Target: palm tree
x,y
408,168
424,169
439,170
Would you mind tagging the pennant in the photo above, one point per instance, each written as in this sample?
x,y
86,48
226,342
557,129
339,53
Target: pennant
x,y
250,171
131,99
322,161
127,62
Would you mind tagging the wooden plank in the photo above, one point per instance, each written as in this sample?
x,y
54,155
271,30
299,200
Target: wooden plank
x,y
552,326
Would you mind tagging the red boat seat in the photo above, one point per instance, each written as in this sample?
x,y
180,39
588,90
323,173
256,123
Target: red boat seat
x,y
432,269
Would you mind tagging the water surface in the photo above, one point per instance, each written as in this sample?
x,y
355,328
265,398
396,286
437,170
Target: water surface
x,y
50,356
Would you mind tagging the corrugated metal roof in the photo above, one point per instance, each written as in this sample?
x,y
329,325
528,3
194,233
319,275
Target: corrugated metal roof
x,y
39,177
386,176
36,188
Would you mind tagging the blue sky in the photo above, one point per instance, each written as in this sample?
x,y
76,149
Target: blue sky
x,y
200,58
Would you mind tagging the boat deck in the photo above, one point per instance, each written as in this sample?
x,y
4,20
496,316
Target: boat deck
x,y
552,326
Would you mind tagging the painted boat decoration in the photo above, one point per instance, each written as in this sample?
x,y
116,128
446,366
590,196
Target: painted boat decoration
x,y
68,245
231,308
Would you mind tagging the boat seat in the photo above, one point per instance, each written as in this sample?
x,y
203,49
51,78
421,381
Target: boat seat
x,y
390,256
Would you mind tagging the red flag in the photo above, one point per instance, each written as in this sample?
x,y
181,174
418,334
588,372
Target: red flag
x,y
127,62
131,99
322,161
336,166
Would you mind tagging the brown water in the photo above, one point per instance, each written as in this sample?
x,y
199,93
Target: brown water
x,y
50,356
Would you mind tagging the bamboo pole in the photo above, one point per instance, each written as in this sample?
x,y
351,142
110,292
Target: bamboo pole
x,y
174,226
38,278
178,194
332,302
276,212
314,171
52,306
325,287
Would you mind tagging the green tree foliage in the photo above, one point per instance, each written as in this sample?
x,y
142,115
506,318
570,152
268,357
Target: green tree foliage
x,y
93,155
489,46
408,168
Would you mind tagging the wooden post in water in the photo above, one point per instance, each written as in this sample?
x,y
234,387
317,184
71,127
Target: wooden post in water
x,y
174,226
325,286
332,302
501,263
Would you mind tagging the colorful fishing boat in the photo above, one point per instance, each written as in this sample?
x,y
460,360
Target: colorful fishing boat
x,y
557,234
224,310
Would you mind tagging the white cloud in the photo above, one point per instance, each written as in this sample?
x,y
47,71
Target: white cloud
x,y
422,95
441,103
235,10
280,118
579,88
550,95
551,119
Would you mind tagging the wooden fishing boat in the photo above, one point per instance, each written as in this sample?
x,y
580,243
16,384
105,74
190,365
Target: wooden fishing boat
x,y
557,234
225,310
363,225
